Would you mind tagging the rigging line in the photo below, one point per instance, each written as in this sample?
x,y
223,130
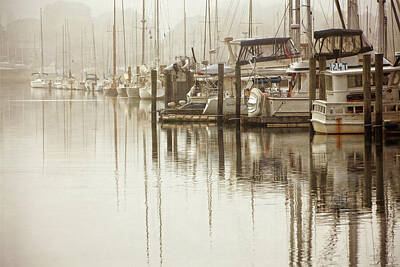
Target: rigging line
x,y
323,12
226,21
280,24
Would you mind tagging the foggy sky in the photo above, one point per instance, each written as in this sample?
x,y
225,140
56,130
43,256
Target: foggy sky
x,y
171,9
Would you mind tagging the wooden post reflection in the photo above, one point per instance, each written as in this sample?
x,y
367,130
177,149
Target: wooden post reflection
x,y
154,145
238,150
380,199
175,144
221,151
116,150
169,141
367,171
146,200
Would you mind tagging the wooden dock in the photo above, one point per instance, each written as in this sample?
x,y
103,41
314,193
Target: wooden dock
x,y
276,122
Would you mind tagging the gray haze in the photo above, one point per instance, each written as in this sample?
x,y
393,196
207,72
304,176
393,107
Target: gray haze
x,y
19,29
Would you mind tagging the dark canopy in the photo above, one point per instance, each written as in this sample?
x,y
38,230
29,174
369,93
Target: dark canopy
x,y
339,43
266,49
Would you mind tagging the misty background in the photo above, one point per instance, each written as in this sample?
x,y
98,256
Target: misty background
x,y
20,29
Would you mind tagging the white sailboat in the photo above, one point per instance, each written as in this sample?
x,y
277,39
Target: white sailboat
x,y
40,79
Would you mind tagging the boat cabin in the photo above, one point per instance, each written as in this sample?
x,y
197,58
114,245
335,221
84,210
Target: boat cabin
x,y
339,43
265,49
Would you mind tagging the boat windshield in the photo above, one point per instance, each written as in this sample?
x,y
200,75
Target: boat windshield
x,y
266,49
338,43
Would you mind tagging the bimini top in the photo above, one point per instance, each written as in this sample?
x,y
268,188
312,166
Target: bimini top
x,y
265,49
339,43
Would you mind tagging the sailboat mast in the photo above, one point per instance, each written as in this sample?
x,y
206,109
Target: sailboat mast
x,y
158,31
184,27
290,9
205,32
297,32
216,29
63,50
381,27
68,37
136,39
94,52
56,62
251,19
340,13
209,28
309,29
41,42
82,33
114,46
123,29
143,30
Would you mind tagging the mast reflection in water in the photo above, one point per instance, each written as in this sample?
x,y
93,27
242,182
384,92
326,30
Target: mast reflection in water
x,y
195,194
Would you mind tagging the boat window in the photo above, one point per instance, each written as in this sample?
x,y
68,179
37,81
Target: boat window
x,y
359,109
351,44
372,109
391,108
354,81
328,83
349,110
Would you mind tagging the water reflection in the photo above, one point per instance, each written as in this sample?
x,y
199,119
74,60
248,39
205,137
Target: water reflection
x,y
194,193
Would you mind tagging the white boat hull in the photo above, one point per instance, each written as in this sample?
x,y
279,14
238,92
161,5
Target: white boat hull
x,y
145,93
39,84
132,91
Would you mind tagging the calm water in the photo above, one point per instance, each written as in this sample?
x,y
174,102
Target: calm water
x,y
88,181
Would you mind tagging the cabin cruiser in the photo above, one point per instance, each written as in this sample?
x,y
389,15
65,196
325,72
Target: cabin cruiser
x,y
343,111
40,80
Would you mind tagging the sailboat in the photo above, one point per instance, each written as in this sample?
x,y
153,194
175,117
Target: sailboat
x,y
111,90
40,79
145,88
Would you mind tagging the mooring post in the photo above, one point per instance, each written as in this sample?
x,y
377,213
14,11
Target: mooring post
x,y
322,85
379,87
367,92
130,74
137,73
312,83
153,92
238,86
168,87
220,90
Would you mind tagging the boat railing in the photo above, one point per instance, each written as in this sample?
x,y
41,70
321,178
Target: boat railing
x,y
351,108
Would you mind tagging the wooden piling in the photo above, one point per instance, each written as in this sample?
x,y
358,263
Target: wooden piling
x,y
137,73
130,74
312,83
153,92
322,85
367,91
238,86
379,87
168,88
220,90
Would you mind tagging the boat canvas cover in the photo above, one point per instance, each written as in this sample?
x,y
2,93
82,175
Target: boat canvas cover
x,y
339,43
266,49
